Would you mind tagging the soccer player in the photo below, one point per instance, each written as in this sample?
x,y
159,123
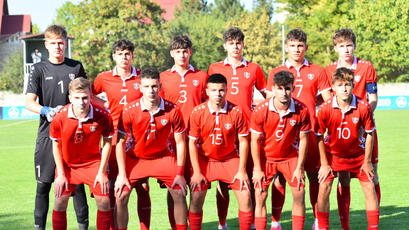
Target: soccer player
x,y
346,118
310,81
365,87
281,123
76,133
121,85
48,82
242,76
183,85
150,120
216,125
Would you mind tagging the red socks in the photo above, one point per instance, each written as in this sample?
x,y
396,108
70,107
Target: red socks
x,y
378,193
195,220
144,207
277,202
323,220
298,222
59,220
245,220
222,208
373,219
260,223
314,196
181,226
104,219
344,199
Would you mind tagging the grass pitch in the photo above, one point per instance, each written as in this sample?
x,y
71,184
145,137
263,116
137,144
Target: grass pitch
x,y
17,184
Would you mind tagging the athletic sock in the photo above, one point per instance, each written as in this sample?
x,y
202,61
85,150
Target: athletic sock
x,y
41,204
378,193
314,186
298,222
171,216
245,219
144,207
195,220
343,199
222,207
373,219
181,226
277,202
260,223
323,220
59,220
104,219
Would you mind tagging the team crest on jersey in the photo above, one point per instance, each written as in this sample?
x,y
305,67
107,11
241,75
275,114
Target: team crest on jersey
x,y
71,76
164,121
355,120
227,126
310,76
247,75
195,83
293,122
93,128
357,78
135,86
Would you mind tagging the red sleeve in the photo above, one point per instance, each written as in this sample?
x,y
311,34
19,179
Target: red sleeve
x,y
371,76
305,121
55,128
242,126
210,70
204,94
256,123
321,127
178,123
97,85
260,79
323,83
270,81
328,73
109,127
194,125
124,123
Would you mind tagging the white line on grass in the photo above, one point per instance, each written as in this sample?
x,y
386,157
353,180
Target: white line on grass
x,y
16,123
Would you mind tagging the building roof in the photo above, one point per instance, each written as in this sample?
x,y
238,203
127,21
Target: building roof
x,y
168,6
12,24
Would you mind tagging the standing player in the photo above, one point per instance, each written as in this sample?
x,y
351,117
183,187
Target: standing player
x,y
121,87
365,87
282,124
48,82
242,76
216,125
310,81
184,86
76,132
151,120
346,118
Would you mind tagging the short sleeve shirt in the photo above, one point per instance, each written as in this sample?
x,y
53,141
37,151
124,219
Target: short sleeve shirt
x,y
185,90
150,130
345,130
280,131
240,82
364,74
217,132
79,139
50,83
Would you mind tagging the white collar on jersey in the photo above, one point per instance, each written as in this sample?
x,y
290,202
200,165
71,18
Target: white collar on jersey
x,y
353,66
88,117
161,106
289,65
115,73
190,67
224,110
243,62
352,105
291,108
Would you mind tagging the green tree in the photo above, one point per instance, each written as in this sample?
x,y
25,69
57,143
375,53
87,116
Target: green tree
x,y
227,9
12,75
35,29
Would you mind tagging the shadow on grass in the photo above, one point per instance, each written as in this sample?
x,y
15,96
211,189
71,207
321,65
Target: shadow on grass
x,y
16,221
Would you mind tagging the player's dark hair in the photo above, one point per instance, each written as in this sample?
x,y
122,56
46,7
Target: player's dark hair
x,y
180,42
234,33
343,35
55,31
79,84
283,78
149,73
297,35
343,74
216,78
123,44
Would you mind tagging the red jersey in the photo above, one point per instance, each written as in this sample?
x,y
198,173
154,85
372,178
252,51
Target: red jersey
x,y
364,74
217,131
310,80
281,131
240,82
185,90
345,130
150,131
120,91
79,139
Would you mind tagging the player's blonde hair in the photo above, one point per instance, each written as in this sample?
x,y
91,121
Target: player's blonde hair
x,y
55,31
79,84
343,74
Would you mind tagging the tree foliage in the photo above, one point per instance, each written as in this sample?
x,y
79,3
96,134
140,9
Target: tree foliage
x,y
227,9
12,75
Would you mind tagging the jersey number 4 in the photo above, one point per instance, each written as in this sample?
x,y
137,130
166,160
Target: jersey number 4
x,y
123,101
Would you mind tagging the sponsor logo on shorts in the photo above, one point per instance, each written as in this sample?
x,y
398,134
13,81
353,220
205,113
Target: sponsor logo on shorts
x,y
227,126
195,83
355,120
293,122
357,78
164,121
49,78
247,75
71,76
310,76
93,128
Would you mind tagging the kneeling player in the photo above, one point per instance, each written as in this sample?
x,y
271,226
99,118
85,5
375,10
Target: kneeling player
x,y
76,132
150,120
280,122
345,118
216,125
